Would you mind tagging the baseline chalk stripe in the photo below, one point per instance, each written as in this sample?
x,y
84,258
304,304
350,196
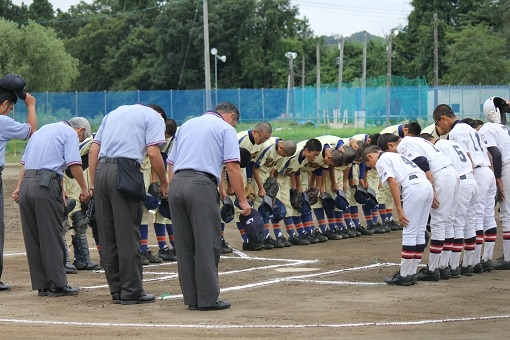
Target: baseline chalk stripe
x,y
344,283
265,326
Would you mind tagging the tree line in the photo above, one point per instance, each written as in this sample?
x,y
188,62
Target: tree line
x,y
118,45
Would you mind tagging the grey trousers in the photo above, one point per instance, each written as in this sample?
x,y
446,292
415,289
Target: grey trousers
x,y
41,212
118,222
194,206
2,226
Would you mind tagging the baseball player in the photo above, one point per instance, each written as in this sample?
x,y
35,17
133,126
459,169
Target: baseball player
x,y
273,151
469,138
417,193
440,172
465,210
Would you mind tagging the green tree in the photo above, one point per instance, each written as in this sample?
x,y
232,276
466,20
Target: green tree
x,y
35,52
476,56
40,10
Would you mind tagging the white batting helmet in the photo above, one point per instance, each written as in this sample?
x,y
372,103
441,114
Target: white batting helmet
x,y
494,110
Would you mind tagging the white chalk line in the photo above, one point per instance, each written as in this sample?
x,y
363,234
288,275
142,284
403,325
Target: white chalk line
x,y
266,326
343,283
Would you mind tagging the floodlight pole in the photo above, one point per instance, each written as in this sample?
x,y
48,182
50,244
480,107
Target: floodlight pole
x,y
290,82
223,58
207,60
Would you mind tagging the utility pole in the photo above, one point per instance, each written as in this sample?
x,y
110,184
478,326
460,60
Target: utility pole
x,y
436,58
318,83
364,75
388,80
340,76
303,85
207,61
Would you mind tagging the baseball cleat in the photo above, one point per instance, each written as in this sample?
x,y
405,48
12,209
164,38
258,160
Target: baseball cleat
x,y
501,264
331,235
310,238
275,243
399,280
445,273
466,271
428,275
167,254
487,266
284,241
318,235
152,259
477,268
454,273
298,241
253,246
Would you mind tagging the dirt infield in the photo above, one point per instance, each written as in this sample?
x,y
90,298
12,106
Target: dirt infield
x,y
326,290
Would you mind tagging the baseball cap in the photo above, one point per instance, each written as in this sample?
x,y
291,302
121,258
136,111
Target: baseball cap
x,y
266,207
164,208
14,83
252,223
227,211
279,211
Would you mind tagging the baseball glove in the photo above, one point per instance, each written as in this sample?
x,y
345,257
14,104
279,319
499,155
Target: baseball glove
x,y
249,191
271,187
296,200
313,195
155,190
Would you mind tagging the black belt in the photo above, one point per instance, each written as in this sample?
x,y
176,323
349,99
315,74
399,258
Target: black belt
x,y
206,174
119,159
463,177
411,177
478,166
30,173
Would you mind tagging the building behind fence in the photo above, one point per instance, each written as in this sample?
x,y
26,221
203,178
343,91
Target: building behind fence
x,y
354,106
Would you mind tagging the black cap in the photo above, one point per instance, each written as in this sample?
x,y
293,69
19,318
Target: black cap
x,y
14,83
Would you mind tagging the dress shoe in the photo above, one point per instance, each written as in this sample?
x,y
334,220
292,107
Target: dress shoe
x,y
4,286
63,291
116,298
145,298
218,306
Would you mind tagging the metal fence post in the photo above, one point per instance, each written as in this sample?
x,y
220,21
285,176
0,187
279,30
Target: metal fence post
x,y
239,99
171,104
263,108
76,98
105,109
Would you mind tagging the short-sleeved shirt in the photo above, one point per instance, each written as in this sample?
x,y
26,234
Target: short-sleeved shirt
x,y
11,129
318,164
413,147
268,158
394,130
290,165
457,155
469,138
397,166
247,141
204,144
127,132
53,147
494,134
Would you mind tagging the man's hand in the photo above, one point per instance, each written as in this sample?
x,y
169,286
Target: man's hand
x,y
262,192
402,217
164,189
84,196
15,195
245,208
435,201
29,100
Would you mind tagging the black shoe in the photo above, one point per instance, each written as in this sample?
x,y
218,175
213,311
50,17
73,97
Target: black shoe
x,y
428,275
298,241
350,232
4,286
387,227
501,264
331,235
43,292
466,271
355,231
275,243
89,266
70,268
395,226
145,298
166,254
318,235
63,291
152,259
445,273
267,245
145,261
377,229
487,266
309,238
414,279
477,268
225,247
218,306
192,307
116,298
252,246
399,280
284,241
455,273
361,229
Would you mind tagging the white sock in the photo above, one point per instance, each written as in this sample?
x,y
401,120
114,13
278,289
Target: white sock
x,y
414,267
506,250
488,251
434,260
468,258
455,259
444,258
405,267
478,253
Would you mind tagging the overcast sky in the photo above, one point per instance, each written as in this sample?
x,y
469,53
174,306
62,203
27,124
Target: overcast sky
x,y
328,17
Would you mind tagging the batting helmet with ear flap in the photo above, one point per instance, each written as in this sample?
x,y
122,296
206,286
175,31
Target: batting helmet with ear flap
x,y
328,203
227,211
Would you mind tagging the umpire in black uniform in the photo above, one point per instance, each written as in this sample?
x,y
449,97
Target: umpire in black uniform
x,y
51,150
123,139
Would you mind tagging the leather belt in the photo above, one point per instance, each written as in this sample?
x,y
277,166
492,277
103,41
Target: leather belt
x,y
206,174
117,159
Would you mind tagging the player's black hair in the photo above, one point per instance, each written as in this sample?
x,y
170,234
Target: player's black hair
x,y
8,95
344,157
469,121
159,110
373,138
228,108
289,147
413,128
386,138
313,145
245,158
478,123
264,127
427,136
171,127
361,146
442,110
370,149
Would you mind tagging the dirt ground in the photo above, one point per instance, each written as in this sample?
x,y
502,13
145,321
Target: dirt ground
x,y
325,290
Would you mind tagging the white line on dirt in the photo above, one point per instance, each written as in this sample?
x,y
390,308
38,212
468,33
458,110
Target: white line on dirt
x,y
347,283
225,326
